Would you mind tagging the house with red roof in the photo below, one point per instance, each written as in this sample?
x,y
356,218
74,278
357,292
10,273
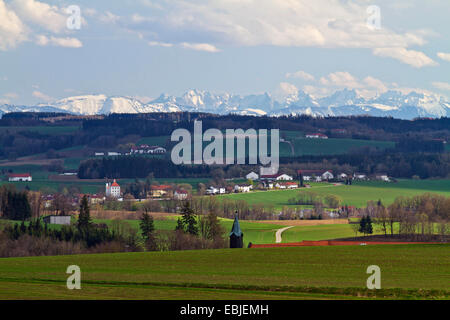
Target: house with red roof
x,y
286,185
112,190
161,191
15,177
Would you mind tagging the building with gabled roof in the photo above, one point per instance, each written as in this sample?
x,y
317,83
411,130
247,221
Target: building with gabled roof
x,y
112,190
14,177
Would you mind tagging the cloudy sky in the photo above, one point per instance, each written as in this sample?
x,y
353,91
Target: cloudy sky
x,y
142,48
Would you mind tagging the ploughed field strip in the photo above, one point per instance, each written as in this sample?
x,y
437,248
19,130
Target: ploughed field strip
x,y
297,272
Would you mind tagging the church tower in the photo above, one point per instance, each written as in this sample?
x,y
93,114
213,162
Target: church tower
x,y
236,235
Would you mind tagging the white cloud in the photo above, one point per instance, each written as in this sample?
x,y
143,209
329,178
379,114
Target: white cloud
x,y
340,79
159,44
284,90
300,75
31,20
42,96
12,29
66,42
367,87
11,95
200,46
294,23
444,56
441,85
42,40
108,17
51,18
414,58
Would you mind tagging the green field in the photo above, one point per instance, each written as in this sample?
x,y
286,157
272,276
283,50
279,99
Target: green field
x,y
355,195
154,141
302,145
407,272
253,232
306,146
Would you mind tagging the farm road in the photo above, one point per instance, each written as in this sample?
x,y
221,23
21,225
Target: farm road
x,y
279,232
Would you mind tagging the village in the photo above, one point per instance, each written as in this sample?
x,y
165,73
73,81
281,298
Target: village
x,y
59,205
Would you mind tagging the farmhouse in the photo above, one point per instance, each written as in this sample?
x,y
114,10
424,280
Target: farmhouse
x,y
316,136
243,188
214,190
342,176
95,198
63,220
146,149
113,153
277,177
180,195
160,191
382,177
14,177
268,184
112,190
252,176
286,185
316,175
359,176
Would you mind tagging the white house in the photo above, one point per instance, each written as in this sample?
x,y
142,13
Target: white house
x,y
146,149
278,177
112,189
64,220
359,176
214,190
15,177
243,188
157,150
316,136
286,185
180,194
382,177
327,175
342,176
252,176
316,175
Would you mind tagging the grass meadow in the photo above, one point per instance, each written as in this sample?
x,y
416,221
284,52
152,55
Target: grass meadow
x,y
407,272
355,195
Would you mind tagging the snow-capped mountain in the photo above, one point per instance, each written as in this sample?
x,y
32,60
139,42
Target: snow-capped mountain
x,y
341,103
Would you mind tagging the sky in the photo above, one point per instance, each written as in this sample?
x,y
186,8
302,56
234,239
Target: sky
x,y
50,50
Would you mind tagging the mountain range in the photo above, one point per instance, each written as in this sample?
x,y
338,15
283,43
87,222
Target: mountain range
x,y
341,103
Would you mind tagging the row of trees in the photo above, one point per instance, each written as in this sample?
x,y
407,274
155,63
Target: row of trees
x,y
312,198
425,214
192,231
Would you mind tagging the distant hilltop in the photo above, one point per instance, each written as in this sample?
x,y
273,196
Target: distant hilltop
x,y
341,103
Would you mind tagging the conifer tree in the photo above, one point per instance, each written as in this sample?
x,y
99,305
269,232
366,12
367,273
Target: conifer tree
x,y
189,219
84,218
147,226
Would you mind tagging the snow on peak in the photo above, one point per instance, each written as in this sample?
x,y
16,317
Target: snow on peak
x,y
343,102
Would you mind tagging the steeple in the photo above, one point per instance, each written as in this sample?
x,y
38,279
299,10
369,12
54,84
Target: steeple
x,y
236,229
236,234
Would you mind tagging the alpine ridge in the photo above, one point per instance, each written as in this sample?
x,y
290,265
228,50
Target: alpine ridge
x,y
341,103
